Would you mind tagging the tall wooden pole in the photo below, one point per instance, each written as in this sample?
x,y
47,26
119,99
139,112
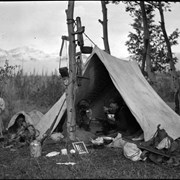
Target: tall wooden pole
x,y
146,55
104,25
70,91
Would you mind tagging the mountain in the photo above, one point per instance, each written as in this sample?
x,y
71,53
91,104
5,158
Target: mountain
x,y
3,53
27,53
31,60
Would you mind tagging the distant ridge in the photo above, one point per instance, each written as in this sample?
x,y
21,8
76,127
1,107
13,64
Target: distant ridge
x,y
33,60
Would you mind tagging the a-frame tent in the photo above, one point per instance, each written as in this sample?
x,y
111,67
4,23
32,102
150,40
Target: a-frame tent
x,y
105,76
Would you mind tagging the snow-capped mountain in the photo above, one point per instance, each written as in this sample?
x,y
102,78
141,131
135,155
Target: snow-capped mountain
x,y
3,53
31,60
26,53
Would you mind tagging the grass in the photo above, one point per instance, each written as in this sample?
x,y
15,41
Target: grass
x,y
105,163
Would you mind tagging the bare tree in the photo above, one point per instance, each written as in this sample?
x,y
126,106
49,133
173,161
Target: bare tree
x,y
146,55
70,92
104,25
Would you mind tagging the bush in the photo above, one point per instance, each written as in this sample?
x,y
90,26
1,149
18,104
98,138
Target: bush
x,y
164,87
38,89
22,90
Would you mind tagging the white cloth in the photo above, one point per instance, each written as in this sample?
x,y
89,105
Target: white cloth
x,y
130,150
165,143
117,142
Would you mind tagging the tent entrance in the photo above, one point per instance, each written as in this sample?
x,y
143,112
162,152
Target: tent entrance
x,y
97,91
17,124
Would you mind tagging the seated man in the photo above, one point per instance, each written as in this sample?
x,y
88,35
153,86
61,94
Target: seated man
x,y
119,118
115,119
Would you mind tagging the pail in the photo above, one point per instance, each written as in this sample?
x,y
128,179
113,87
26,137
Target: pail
x,y
35,148
64,151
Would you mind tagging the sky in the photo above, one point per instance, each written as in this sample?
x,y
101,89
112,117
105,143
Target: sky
x,y
40,24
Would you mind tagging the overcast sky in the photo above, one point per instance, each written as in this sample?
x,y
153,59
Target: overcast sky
x,y
41,24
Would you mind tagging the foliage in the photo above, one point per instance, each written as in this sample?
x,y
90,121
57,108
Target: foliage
x,y
164,87
159,52
33,90
6,73
42,90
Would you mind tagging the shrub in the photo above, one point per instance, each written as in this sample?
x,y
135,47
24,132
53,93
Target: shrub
x,y
164,87
36,90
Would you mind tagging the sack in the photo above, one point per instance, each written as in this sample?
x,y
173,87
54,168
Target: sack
x,y
165,143
132,152
56,136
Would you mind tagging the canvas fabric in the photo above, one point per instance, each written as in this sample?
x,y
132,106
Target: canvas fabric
x,y
145,104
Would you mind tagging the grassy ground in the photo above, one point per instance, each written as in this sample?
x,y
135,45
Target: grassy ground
x,y
105,163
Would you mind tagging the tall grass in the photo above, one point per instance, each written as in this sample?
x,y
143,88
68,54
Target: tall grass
x,y
40,89
20,90
164,87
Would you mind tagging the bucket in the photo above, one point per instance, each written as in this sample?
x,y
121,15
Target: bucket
x,y
64,151
35,148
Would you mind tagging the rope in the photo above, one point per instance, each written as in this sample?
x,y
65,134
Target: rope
x,y
89,38
70,21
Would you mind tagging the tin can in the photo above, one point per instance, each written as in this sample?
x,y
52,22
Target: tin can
x,y
35,148
64,151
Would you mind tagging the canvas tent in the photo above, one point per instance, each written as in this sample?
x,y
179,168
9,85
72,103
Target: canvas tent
x,y
105,76
106,72
52,118
33,117
42,122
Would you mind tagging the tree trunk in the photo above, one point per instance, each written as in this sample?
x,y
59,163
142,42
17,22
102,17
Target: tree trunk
x,y
70,91
146,55
173,73
104,25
